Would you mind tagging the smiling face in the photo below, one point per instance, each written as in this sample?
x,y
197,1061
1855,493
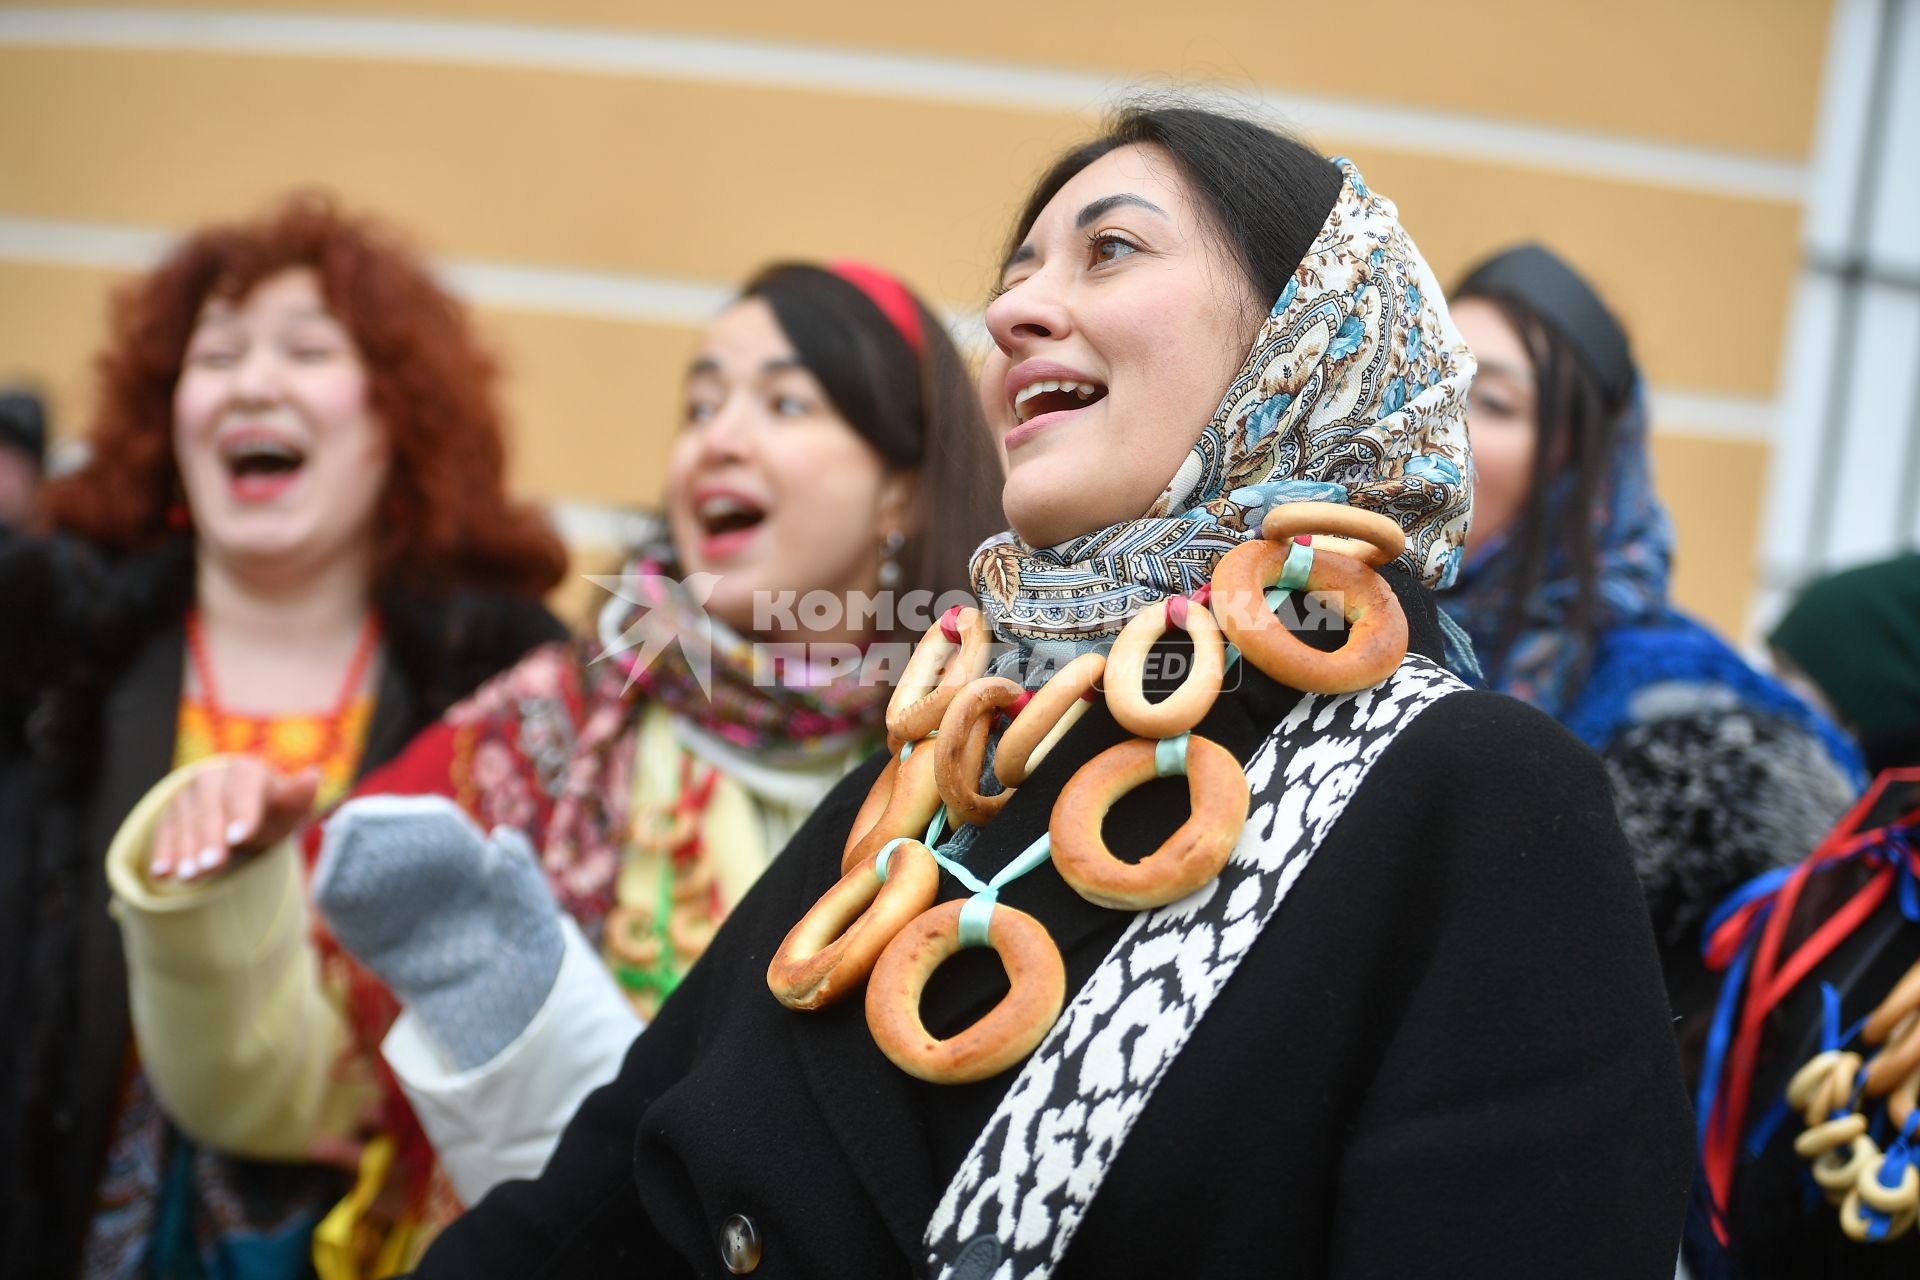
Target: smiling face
x,y
1122,319
1501,419
281,455
767,486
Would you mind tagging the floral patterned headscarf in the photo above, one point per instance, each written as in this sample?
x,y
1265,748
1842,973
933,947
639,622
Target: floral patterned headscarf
x,y
1355,391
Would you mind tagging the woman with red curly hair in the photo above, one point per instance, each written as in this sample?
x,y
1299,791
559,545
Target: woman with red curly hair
x,y
292,538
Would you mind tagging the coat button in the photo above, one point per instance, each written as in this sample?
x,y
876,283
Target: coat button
x,y
739,1244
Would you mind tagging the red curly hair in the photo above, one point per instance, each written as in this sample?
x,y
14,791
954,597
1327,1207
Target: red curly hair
x,y
445,520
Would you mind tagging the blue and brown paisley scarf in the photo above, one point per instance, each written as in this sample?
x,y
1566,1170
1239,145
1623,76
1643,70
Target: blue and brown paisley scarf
x,y
1355,391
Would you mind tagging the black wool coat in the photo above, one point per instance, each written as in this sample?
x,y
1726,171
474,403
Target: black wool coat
x,y
1447,1055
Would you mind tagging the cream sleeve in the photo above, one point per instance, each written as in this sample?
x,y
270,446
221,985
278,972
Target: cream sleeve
x,y
240,1040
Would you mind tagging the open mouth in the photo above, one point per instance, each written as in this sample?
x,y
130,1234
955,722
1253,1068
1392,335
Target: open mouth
x,y
726,519
1037,399
260,467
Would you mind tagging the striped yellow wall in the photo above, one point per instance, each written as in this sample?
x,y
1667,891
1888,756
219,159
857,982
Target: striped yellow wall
x,y
1741,74
680,178
553,168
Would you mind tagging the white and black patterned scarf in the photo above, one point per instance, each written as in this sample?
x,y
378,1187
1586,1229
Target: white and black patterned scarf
x,y
1023,1189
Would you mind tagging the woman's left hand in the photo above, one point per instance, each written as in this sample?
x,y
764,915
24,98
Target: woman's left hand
x,y
236,806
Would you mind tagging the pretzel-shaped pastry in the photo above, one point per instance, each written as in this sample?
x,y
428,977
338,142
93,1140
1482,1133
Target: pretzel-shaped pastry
x,y
1188,859
961,749
1054,709
1007,1033
1184,708
1377,636
940,667
902,802
834,946
1367,536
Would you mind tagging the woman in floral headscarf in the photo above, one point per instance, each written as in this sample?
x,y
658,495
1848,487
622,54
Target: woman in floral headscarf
x,y
1719,772
1410,1022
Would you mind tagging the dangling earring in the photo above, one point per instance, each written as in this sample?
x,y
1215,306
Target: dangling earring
x,y
890,547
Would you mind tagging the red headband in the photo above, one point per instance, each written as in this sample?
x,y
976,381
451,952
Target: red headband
x,y
886,293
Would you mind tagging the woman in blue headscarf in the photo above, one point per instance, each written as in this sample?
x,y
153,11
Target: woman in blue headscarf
x,y
1718,771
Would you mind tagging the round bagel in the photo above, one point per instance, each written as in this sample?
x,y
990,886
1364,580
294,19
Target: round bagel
x,y
1377,629
938,670
1823,1138
1902,1196
1189,858
1838,1170
1055,708
1897,1059
1004,1035
1890,1012
961,749
631,936
902,802
1126,673
1367,536
834,946
1854,1221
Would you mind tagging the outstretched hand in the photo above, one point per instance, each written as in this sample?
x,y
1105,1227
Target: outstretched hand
x,y
236,807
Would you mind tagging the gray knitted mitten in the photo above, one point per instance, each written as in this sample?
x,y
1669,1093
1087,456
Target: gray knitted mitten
x,y
461,927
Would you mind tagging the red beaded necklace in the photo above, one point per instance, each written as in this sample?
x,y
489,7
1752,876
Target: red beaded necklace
x,y
330,721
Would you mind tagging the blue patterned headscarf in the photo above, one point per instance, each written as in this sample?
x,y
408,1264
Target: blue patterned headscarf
x,y
1355,391
1633,551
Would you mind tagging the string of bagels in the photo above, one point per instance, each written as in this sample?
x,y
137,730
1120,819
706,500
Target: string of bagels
x,y
880,926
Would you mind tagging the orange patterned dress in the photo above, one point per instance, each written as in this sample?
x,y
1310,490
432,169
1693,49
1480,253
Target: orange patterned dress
x,y
329,741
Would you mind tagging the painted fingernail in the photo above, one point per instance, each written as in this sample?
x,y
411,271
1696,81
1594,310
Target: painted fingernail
x,y
236,831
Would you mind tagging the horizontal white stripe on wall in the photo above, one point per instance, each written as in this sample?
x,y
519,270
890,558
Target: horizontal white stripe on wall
x,y
650,299
593,526
1717,417
768,64
604,295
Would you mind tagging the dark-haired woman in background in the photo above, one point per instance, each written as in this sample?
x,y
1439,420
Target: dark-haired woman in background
x,y
831,452
1719,772
292,536
1412,1026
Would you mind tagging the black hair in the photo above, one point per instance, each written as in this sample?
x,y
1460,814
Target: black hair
x,y
1577,429
1268,193
920,412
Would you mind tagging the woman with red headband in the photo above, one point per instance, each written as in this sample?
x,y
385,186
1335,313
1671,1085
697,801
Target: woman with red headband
x,y
641,780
